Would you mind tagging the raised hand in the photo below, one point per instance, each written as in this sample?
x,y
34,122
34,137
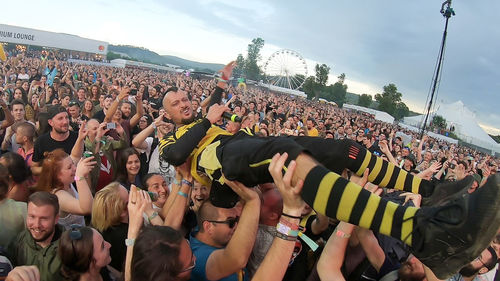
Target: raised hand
x,y
215,112
227,71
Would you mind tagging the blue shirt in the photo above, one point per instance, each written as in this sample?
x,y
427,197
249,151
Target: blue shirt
x,y
202,251
51,74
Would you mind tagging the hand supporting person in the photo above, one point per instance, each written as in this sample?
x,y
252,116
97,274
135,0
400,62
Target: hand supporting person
x,y
277,259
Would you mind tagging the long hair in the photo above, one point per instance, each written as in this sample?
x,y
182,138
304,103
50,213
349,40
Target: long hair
x,y
51,165
76,254
157,243
107,207
86,112
121,174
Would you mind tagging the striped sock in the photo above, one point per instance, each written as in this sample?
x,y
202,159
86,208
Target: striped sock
x,y
385,174
331,195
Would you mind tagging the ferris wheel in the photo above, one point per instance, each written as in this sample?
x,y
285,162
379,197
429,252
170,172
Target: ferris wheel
x,y
286,69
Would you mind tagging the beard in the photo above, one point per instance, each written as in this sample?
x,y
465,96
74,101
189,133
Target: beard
x,y
188,121
469,270
44,237
61,130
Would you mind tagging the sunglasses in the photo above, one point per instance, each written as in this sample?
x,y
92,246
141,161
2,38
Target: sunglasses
x,y
231,222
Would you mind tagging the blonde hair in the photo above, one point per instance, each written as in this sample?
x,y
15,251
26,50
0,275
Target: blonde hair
x,y
107,207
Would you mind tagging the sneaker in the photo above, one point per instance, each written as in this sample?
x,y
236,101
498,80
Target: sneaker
x,y
222,196
444,191
448,236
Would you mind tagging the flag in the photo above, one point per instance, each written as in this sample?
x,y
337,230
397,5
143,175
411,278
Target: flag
x,y
2,54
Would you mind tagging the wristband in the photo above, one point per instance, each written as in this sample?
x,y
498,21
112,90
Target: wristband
x,y
129,242
77,178
176,182
182,194
284,237
186,182
290,216
153,215
341,234
154,125
222,80
286,230
289,224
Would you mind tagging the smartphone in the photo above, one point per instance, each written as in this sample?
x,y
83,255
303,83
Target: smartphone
x,y
133,92
153,196
452,166
111,126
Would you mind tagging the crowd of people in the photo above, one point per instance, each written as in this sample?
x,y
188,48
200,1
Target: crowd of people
x,y
110,174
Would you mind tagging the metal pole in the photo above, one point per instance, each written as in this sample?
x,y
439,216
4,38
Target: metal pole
x,y
447,13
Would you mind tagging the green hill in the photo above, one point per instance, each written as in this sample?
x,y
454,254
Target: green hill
x,y
145,55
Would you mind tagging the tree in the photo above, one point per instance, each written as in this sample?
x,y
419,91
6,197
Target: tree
x,y
401,111
111,56
439,122
388,99
322,72
252,70
390,102
240,65
337,91
310,87
365,100
341,78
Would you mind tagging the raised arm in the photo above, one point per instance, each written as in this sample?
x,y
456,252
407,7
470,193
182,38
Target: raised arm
x,y
234,257
420,147
9,119
140,139
136,206
176,210
332,258
275,264
139,111
77,151
114,106
82,205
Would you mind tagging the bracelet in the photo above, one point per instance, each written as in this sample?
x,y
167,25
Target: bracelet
x,y
154,125
289,224
186,182
182,194
290,216
341,234
222,80
286,230
176,182
153,215
77,178
284,237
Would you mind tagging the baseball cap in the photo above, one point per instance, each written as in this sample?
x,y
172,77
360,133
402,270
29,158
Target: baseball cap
x,y
54,110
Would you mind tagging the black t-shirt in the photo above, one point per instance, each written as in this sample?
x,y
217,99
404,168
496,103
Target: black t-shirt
x,y
45,143
116,236
300,266
99,115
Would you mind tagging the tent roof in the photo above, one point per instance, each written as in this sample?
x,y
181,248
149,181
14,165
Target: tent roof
x,y
379,115
464,121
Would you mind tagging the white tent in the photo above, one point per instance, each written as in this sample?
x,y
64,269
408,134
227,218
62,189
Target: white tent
x,y
379,115
464,121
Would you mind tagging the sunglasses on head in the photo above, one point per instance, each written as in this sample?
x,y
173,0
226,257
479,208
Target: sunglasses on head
x,y
231,222
75,234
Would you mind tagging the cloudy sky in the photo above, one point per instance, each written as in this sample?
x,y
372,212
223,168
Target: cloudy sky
x,y
373,42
